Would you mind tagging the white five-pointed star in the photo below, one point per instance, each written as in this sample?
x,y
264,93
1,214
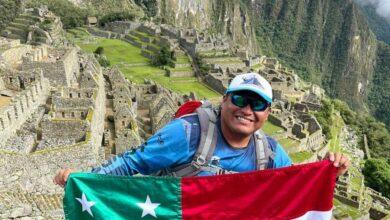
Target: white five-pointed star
x,y
148,207
85,204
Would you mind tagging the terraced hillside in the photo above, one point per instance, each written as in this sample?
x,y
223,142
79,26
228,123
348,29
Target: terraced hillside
x,y
135,63
36,26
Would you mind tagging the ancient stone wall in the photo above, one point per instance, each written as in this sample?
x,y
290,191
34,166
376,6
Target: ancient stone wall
x,y
60,72
62,103
14,55
21,107
106,34
217,81
121,27
54,130
6,43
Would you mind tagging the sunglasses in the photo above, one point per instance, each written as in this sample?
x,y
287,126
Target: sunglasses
x,y
257,104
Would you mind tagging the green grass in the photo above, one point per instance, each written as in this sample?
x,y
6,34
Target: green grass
x,y
335,131
346,209
181,69
257,66
289,143
182,59
117,51
300,157
272,129
121,53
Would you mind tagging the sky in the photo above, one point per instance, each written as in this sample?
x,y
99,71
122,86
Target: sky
x,y
382,6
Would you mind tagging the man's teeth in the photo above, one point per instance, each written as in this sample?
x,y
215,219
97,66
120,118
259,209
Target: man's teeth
x,y
242,118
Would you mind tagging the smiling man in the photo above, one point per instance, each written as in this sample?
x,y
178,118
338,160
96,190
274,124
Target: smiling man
x,y
211,141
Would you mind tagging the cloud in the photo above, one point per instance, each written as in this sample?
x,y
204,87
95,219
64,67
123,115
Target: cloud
x,y
382,6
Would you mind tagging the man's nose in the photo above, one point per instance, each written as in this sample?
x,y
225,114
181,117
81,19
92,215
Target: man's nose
x,y
247,110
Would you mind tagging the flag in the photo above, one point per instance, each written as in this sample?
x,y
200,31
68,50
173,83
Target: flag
x,y
296,192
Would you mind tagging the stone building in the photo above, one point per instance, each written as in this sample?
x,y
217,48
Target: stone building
x,y
46,125
60,66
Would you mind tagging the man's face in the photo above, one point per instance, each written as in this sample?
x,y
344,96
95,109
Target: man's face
x,y
242,121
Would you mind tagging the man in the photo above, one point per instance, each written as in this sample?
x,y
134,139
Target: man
x,y
210,141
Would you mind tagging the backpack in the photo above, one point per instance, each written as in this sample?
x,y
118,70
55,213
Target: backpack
x,y
208,140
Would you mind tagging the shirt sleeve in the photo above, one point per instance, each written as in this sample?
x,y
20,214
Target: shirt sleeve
x,y
168,147
281,158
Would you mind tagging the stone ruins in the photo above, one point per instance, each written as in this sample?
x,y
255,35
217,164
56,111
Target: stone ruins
x,y
60,108
36,26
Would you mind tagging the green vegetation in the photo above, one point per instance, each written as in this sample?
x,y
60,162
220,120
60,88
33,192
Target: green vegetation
x,y
299,157
9,9
378,99
324,117
164,57
377,173
271,129
314,38
379,25
182,59
335,131
71,15
149,6
377,134
99,50
137,67
346,209
102,59
289,143
116,16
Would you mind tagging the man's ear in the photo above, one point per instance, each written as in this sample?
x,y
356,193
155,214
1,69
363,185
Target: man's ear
x,y
225,97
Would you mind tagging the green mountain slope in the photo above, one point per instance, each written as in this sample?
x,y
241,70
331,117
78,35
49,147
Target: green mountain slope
x,y
9,9
379,25
327,42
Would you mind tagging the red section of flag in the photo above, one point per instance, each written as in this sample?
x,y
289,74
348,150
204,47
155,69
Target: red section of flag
x,y
284,193
187,108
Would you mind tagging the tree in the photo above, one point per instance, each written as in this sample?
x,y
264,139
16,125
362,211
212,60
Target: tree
x,y
377,175
99,50
164,57
101,58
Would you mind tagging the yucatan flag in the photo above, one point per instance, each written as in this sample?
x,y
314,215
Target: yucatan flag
x,y
301,191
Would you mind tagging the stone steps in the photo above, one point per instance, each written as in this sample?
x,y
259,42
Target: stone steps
x,y
222,59
19,25
181,73
29,17
182,65
20,20
17,31
14,36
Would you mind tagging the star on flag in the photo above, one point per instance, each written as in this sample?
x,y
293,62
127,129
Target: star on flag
x,y
148,207
118,198
86,205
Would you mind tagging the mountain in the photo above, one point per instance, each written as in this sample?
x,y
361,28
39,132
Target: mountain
x,y
379,24
327,42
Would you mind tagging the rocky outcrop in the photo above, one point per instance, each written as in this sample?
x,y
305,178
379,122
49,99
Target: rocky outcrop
x,y
229,18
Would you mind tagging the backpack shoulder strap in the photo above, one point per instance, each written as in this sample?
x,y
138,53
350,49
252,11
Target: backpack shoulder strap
x,y
263,151
208,141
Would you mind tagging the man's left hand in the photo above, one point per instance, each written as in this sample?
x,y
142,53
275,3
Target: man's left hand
x,y
340,161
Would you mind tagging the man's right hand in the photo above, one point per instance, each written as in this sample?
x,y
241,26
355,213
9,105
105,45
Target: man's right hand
x,y
62,176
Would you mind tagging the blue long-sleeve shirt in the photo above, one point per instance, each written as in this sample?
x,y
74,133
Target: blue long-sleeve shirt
x,y
176,144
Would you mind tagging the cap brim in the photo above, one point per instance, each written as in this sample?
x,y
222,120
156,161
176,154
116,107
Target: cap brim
x,y
252,89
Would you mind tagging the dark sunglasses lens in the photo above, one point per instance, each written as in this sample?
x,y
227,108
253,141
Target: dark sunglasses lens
x,y
239,101
258,105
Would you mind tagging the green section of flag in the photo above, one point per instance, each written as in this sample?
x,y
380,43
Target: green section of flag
x,y
95,196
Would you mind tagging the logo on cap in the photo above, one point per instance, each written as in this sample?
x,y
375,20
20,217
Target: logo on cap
x,y
251,80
